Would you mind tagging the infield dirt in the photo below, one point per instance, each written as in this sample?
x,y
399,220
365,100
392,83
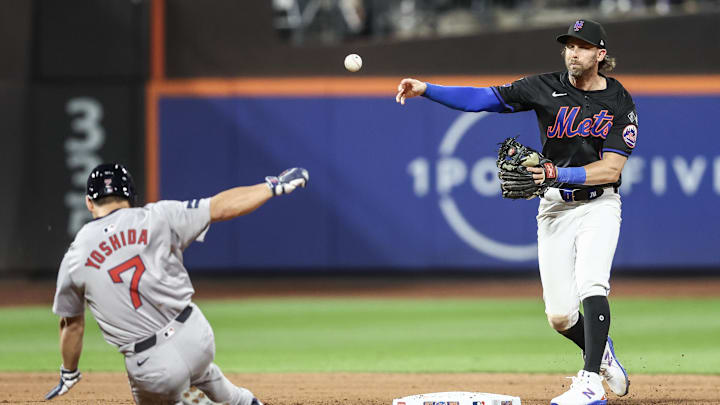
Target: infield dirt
x,y
371,389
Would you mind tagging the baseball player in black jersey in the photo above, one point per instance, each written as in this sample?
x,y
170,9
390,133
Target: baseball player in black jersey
x,y
588,128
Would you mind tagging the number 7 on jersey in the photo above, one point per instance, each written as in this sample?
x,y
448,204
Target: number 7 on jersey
x,y
139,267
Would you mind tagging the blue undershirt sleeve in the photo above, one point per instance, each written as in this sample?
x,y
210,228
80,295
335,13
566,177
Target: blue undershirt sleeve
x,y
465,98
571,175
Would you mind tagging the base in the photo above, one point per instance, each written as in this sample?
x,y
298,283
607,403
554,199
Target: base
x,y
457,398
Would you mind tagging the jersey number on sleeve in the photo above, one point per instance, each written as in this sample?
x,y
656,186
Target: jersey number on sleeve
x,y
139,267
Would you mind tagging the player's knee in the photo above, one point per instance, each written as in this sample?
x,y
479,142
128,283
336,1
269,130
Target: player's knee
x,y
562,322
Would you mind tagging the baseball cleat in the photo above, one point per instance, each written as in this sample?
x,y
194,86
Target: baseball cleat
x,y
193,396
613,372
586,389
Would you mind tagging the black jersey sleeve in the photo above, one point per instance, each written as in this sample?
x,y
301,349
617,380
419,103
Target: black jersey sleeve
x,y
622,137
518,95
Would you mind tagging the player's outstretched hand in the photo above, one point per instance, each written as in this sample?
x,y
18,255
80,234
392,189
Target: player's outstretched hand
x,y
409,88
288,180
68,378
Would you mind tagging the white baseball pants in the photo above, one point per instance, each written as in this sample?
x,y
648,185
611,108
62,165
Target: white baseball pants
x,y
183,356
576,245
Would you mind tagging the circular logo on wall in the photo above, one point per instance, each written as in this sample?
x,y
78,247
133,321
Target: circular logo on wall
x,y
452,213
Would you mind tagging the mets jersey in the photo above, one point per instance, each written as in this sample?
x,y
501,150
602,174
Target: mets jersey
x,y
576,126
128,267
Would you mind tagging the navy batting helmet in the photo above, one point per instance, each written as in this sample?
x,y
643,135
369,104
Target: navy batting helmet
x,y
111,179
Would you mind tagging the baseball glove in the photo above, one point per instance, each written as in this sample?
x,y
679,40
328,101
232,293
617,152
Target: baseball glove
x,y
516,181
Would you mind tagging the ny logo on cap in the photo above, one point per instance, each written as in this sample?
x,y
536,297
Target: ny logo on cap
x,y
578,25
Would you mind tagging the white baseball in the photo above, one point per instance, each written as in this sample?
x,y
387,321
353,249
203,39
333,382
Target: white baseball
x,y
353,62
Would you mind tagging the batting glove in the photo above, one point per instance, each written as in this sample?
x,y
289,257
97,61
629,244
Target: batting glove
x,y
288,180
68,378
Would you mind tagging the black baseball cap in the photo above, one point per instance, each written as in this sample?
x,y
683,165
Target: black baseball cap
x,y
587,30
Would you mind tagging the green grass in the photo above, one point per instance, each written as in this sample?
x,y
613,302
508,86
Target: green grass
x,y
400,335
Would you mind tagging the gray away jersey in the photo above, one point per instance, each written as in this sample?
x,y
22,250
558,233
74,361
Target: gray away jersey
x,y
128,266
